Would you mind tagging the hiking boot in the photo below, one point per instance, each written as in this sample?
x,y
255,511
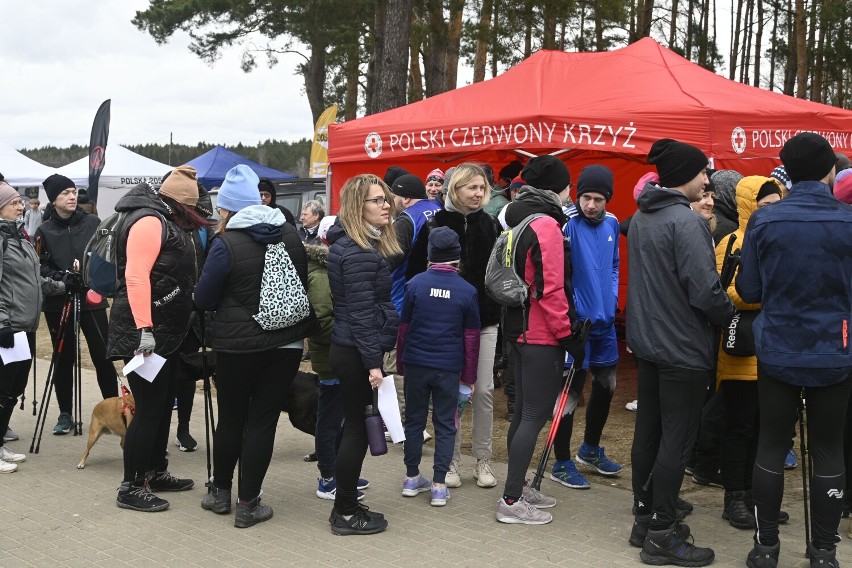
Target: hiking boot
x,y
536,498
521,512
9,456
8,467
139,498
217,500
595,457
641,523
565,472
453,478
821,558
327,488
10,436
412,486
763,556
791,462
707,478
670,547
250,513
483,473
63,425
361,523
165,481
185,442
440,495
736,511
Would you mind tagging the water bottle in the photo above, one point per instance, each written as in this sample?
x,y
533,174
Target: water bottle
x,y
375,428
464,397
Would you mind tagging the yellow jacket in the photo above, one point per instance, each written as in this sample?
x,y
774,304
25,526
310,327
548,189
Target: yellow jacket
x,y
730,367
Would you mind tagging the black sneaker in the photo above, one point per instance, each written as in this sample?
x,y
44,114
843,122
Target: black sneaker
x,y
251,513
736,511
821,558
707,479
362,522
640,530
669,547
217,500
185,442
763,556
165,481
140,499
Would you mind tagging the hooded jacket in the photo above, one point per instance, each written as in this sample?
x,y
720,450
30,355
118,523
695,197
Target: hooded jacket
x,y
731,367
319,292
542,258
172,279
61,242
231,281
360,280
725,202
795,262
674,296
20,283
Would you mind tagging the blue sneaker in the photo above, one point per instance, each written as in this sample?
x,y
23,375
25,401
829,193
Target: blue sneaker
x,y
63,425
411,486
363,483
440,496
565,472
327,488
791,462
595,457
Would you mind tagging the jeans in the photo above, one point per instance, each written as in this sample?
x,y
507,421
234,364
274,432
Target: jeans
x,y
482,401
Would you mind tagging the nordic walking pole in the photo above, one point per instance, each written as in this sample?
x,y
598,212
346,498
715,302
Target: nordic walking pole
x,y
208,412
35,444
34,386
78,374
806,470
557,414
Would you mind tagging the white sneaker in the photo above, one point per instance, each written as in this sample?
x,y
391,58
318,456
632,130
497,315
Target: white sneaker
x,y
483,474
8,455
8,467
537,499
521,512
632,406
453,478
426,436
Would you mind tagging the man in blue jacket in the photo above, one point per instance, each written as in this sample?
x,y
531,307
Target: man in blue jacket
x,y
796,264
593,236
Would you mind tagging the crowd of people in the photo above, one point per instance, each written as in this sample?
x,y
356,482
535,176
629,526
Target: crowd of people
x,y
735,313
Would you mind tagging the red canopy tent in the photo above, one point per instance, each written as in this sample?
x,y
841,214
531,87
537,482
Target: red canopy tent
x,y
606,107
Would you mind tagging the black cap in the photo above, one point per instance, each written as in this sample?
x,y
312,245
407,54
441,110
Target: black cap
x,y
56,184
409,185
807,156
547,172
677,162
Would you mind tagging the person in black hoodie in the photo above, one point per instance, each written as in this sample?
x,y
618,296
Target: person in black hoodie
x,y
268,197
60,242
158,259
256,359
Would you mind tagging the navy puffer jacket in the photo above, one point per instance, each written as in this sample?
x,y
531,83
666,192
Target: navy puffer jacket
x,y
364,316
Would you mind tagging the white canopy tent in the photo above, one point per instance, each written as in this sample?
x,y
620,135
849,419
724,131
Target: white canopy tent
x,y
123,170
21,171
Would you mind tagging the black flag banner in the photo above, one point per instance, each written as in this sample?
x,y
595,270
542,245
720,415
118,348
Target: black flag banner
x,y
97,149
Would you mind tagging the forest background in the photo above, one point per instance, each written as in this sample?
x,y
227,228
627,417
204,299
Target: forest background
x,y
368,56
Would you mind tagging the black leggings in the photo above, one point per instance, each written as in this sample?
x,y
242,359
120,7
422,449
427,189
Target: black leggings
x,y
538,376
357,394
250,392
13,381
740,429
597,410
148,432
670,401
826,411
185,392
94,326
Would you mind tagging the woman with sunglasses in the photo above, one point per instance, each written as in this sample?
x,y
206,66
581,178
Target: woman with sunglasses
x,y
365,325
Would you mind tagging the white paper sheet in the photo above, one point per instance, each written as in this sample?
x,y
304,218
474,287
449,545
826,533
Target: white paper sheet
x,y
20,351
389,409
146,367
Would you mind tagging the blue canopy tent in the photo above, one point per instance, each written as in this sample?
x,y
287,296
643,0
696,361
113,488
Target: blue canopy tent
x,y
214,164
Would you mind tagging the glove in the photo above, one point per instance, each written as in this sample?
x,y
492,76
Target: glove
x,y
7,337
574,346
146,341
73,282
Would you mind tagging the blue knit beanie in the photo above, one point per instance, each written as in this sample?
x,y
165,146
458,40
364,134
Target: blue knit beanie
x,y
443,246
239,190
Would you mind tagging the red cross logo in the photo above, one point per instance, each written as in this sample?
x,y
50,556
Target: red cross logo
x,y
738,140
373,145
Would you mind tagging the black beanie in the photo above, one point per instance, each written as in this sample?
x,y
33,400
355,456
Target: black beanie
x,y
393,173
768,188
409,185
443,245
511,170
597,179
547,172
56,184
676,162
807,156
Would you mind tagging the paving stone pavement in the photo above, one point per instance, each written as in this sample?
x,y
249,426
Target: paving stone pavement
x,y
53,515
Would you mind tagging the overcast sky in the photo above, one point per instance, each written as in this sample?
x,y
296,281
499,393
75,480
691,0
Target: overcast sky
x,y
60,59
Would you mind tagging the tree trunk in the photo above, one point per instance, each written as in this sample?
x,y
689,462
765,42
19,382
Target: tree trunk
x,y
454,42
673,25
632,37
483,36
735,40
599,26
690,29
819,56
352,75
646,17
774,42
705,36
758,43
314,72
745,54
528,25
436,53
415,77
393,67
495,29
548,38
801,50
373,66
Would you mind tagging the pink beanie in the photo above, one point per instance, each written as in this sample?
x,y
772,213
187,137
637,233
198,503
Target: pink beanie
x,y
435,175
843,186
644,180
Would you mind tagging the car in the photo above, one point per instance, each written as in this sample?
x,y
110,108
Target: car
x,y
291,193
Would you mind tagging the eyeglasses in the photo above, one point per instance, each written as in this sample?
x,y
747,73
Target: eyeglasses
x,y
17,203
379,201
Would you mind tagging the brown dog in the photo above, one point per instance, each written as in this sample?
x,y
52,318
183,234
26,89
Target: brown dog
x,y
110,416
